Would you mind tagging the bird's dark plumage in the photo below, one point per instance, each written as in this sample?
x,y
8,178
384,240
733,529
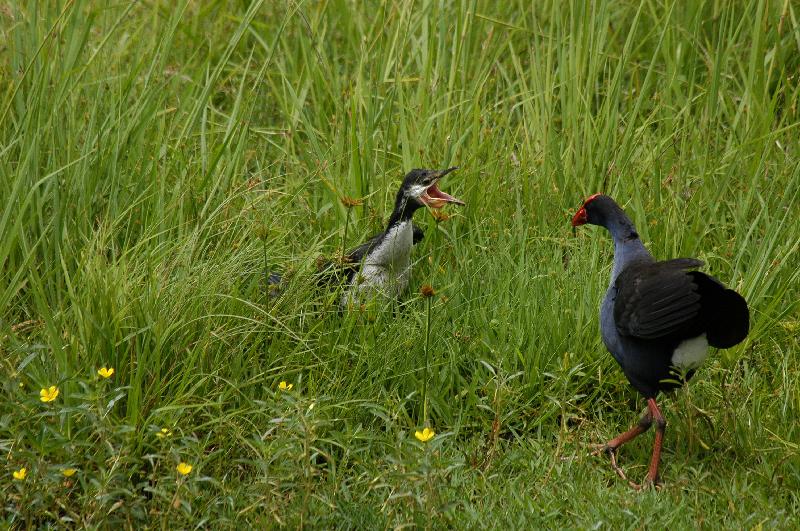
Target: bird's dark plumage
x,y
664,301
656,300
658,318
383,262
344,270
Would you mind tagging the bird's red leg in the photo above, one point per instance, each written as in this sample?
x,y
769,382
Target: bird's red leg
x,y
611,446
651,479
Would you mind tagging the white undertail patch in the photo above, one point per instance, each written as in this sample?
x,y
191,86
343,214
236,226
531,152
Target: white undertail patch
x,y
690,353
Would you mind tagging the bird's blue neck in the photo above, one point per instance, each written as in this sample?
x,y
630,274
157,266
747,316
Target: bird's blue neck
x,y
627,245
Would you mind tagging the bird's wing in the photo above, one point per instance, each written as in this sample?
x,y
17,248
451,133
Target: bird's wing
x,y
333,271
655,300
419,234
356,256
339,271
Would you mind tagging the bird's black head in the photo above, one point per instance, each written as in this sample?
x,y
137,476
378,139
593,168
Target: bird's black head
x,y
420,189
598,209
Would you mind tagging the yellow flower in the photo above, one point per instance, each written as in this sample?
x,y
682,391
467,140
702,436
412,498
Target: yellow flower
x,y
283,386
106,372
68,472
425,435
183,468
48,395
20,474
163,433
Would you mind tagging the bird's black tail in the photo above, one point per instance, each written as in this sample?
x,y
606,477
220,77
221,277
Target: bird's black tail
x,y
733,320
726,314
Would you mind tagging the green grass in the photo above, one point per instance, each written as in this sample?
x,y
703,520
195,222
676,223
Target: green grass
x,y
156,160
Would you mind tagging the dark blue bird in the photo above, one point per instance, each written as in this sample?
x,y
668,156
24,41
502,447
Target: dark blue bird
x,y
658,320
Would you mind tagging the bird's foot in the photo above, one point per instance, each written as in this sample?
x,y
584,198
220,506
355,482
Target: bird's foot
x,y
598,449
611,451
603,448
648,484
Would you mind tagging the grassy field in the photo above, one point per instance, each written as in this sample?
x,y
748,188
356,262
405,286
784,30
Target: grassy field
x,y
157,160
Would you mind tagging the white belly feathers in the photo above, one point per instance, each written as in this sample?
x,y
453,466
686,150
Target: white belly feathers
x,y
386,269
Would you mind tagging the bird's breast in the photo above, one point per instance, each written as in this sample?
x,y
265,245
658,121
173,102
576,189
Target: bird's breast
x,y
394,251
387,267
608,328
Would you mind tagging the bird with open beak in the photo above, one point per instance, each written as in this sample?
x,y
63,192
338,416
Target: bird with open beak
x,y
382,264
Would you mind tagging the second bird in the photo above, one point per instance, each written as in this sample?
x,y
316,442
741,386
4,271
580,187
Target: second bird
x,y
382,264
658,319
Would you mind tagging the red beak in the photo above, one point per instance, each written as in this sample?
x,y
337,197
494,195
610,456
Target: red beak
x,y
579,218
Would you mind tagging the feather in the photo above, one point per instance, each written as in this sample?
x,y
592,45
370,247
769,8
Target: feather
x,y
656,299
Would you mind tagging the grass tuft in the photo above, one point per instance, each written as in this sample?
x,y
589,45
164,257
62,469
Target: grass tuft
x,y
159,161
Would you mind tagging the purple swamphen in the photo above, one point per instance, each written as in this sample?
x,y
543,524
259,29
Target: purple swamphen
x,y
658,319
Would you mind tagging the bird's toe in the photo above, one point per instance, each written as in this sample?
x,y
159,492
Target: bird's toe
x,y
601,448
611,452
649,483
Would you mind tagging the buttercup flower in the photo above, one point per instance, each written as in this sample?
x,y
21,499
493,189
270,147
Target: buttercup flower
x,y
425,435
183,468
283,386
106,372
20,474
164,432
68,472
49,394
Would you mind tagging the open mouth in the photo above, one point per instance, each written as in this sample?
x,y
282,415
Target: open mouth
x,y
432,197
